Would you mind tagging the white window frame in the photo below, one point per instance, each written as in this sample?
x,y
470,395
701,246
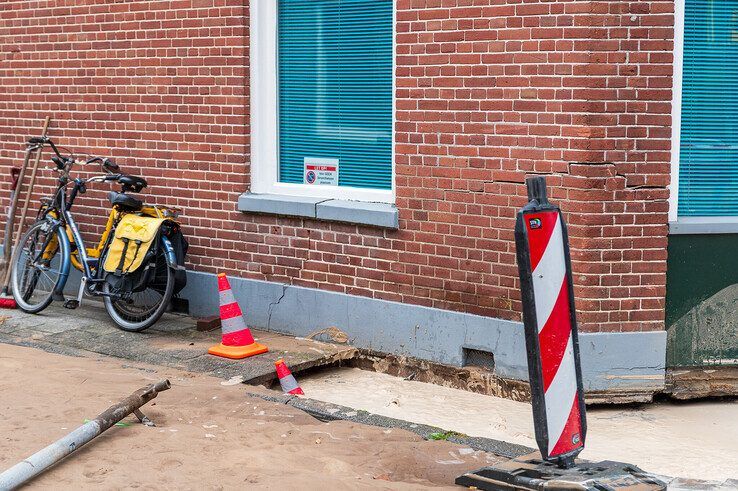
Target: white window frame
x,y
264,100
676,108
677,224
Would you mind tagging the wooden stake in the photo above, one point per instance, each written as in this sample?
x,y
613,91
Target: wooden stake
x,y
26,203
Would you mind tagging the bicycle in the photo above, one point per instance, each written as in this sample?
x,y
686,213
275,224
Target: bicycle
x,y
43,259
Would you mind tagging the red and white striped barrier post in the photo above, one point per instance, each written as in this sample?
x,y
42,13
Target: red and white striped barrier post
x,y
550,323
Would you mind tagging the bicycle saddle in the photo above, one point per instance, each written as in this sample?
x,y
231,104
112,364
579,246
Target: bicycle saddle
x,y
132,183
125,201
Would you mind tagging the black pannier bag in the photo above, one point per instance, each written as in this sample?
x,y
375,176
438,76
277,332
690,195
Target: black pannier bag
x,y
173,232
136,257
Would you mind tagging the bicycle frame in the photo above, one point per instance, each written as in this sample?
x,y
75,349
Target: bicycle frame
x,y
134,300
80,258
66,224
81,249
104,241
102,244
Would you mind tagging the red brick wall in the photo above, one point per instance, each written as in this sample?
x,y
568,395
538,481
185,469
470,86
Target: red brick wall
x,y
487,92
491,91
161,86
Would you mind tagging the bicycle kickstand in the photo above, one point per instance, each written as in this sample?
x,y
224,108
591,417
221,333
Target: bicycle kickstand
x,y
73,303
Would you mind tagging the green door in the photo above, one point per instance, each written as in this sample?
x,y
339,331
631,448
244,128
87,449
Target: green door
x,y
702,301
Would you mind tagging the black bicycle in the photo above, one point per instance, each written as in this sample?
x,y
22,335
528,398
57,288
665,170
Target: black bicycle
x,y
53,245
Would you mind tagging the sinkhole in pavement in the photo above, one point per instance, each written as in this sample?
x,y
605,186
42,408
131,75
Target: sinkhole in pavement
x,y
694,440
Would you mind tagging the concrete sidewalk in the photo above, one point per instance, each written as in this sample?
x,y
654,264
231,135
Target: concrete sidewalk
x,y
173,342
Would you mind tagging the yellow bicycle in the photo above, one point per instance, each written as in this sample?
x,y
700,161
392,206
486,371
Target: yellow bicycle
x,y
136,272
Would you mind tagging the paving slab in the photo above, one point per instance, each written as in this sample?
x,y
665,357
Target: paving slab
x,y
173,341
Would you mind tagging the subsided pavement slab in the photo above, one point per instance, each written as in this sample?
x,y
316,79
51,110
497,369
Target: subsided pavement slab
x,y
326,411
173,341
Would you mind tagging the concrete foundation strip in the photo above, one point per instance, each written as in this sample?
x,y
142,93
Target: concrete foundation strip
x,y
37,463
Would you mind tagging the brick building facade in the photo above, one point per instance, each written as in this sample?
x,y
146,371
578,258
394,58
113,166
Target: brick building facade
x,y
485,93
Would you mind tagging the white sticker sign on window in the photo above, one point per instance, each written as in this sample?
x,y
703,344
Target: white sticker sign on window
x,y
321,172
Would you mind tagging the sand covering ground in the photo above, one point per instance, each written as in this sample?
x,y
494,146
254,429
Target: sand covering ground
x,y
210,435
697,440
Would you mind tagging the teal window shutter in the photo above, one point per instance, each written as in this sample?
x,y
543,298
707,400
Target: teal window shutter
x,y
335,90
708,155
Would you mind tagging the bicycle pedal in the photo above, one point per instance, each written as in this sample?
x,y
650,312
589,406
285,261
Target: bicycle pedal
x,y
71,304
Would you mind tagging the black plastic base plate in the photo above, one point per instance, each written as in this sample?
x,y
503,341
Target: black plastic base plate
x,y
532,473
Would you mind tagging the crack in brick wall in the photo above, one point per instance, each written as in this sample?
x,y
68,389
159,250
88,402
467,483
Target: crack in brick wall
x,y
487,93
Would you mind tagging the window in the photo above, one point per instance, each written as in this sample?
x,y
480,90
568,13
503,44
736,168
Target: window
x,y
708,139
322,98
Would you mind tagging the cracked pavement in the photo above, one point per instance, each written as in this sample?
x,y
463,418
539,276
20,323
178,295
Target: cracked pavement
x,y
173,342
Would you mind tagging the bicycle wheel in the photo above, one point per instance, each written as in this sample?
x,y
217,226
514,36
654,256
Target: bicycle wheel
x,y
136,311
37,267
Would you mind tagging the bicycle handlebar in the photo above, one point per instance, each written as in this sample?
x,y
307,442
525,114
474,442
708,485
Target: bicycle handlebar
x,y
42,140
107,163
65,163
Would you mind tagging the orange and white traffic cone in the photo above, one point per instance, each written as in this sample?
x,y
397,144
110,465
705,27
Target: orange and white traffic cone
x,y
286,379
237,341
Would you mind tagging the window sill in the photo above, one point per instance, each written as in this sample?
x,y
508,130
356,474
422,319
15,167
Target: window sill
x,y
382,215
704,225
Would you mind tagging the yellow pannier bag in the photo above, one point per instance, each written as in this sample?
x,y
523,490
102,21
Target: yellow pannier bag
x,y
133,238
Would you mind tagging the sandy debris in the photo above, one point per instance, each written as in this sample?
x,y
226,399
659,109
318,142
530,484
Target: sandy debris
x,y
208,436
695,440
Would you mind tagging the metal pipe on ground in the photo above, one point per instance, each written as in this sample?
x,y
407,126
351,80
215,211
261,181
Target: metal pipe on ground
x,y
37,463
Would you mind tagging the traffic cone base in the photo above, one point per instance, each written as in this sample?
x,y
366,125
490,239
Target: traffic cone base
x,y
237,352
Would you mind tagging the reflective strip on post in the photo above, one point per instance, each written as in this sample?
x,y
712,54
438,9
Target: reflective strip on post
x,y
550,327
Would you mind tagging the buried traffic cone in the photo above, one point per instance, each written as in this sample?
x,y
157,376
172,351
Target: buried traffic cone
x,y
237,341
286,379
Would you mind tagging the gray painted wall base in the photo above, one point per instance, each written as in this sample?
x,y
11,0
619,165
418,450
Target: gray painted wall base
x,y
610,361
